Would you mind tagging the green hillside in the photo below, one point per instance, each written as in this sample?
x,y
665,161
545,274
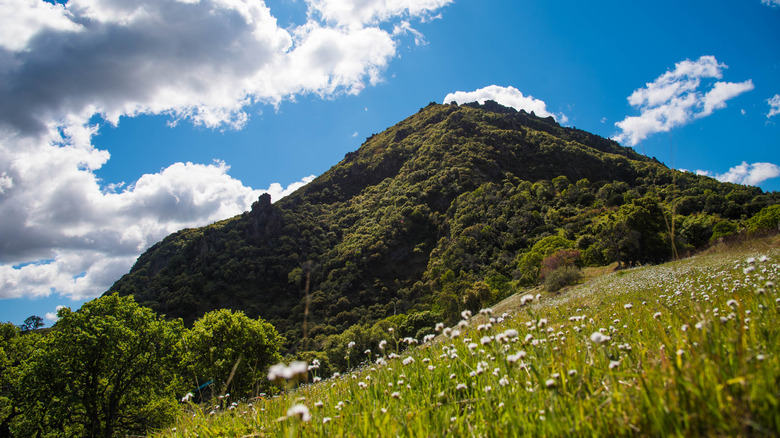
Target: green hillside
x,y
688,348
453,208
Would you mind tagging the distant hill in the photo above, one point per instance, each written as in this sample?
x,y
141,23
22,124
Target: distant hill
x,y
452,208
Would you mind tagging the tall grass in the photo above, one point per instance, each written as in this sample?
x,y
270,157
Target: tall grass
x,y
686,348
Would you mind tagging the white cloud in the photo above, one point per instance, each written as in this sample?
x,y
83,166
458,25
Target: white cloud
x,y
52,316
774,106
747,174
772,3
507,96
26,18
202,61
676,98
362,12
88,237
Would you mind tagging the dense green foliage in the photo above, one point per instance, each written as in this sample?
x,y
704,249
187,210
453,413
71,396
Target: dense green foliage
x,y
232,351
105,369
114,368
453,208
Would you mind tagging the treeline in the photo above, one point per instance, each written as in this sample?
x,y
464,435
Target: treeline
x,y
114,368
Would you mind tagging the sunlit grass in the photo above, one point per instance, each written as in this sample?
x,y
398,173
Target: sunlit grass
x,y
686,348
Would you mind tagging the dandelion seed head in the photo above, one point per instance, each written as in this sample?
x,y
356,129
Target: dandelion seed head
x,y
599,338
299,411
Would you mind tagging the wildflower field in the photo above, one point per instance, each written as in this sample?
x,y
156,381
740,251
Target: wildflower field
x,y
685,348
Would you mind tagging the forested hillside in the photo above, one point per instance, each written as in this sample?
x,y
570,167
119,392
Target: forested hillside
x,y
455,207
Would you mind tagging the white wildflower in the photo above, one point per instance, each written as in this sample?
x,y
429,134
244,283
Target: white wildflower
x,y
299,411
599,338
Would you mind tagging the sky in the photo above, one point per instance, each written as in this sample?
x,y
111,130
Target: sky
x,y
122,121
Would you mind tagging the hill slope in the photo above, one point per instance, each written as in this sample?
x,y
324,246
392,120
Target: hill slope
x,y
688,348
451,208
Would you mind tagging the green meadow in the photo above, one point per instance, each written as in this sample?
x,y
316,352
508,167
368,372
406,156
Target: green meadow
x,y
685,348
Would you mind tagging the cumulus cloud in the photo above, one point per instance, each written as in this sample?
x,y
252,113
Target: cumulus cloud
x,y
507,96
52,316
677,97
747,174
80,238
200,61
774,108
772,3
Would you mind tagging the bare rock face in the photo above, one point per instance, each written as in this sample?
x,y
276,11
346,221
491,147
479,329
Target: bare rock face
x,y
265,221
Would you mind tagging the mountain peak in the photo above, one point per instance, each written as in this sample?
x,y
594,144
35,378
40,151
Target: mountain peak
x,y
449,201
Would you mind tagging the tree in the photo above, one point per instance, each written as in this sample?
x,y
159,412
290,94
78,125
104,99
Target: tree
x,y
105,370
15,349
232,350
32,323
618,241
529,263
766,219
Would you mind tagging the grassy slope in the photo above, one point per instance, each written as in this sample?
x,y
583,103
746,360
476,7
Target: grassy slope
x,y
693,351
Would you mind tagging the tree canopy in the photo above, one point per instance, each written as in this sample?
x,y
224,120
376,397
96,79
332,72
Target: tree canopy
x,y
105,370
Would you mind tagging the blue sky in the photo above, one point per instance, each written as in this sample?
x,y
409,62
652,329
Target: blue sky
x,y
121,122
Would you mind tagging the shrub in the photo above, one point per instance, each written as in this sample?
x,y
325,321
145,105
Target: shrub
x,y
766,219
561,277
232,350
564,257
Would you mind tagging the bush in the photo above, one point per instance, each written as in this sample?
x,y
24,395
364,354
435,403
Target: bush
x,y
231,350
766,219
564,257
723,229
561,277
